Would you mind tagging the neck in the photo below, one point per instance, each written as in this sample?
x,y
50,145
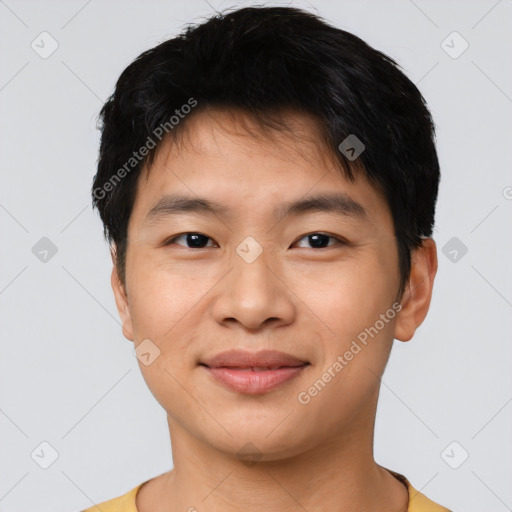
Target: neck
x,y
333,474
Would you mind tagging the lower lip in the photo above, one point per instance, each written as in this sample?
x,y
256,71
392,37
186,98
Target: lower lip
x,y
254,382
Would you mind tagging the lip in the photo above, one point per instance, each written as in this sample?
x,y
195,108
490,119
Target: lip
x,y
245,359
235,369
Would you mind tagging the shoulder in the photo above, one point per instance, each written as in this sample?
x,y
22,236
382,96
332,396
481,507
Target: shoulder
x,y
418,502
124,503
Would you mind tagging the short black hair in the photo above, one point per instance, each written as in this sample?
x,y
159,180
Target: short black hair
x,y
261,61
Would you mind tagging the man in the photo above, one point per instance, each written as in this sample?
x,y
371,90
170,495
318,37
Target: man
x,y
268,185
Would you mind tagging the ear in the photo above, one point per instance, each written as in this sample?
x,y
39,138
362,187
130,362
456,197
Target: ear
x,y
418,292
121,300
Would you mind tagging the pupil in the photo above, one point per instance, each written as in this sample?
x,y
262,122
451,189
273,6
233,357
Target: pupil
x,y
196,240
318,240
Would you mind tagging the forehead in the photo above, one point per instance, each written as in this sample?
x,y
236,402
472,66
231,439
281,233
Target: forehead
x,y
284,134
230,158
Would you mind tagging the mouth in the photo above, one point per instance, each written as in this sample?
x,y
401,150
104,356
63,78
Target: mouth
x,y
254,368
253,373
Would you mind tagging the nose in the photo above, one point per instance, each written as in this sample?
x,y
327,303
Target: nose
x,y
255,294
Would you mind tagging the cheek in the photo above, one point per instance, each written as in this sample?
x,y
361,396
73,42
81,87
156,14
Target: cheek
x,y
348,296
164,295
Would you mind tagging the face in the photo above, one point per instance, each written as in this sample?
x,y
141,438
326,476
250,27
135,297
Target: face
x,y
317,281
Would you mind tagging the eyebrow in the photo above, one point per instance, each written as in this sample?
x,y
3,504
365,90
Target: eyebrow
x,y
340,204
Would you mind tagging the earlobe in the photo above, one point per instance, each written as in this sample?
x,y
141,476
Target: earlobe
x,y
418,292
121,299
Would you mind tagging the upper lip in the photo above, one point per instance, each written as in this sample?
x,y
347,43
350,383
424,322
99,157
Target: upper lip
x,y
244,359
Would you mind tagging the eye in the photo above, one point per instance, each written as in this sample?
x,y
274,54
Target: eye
x,y
193,240
320,240
200,241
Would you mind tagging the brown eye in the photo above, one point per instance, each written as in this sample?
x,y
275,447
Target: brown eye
x,y
192,240
321,240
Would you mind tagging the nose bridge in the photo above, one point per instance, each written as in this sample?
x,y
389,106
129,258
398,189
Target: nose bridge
x,y
252,277
253,291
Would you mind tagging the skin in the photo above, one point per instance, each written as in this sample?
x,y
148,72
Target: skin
x,y
311,302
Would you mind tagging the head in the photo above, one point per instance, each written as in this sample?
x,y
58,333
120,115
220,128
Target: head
x,y
237,119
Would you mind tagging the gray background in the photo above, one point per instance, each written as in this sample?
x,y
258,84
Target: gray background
x,y
70,379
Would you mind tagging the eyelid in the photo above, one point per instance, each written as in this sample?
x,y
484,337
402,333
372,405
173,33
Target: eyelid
x,y
168,241
340,240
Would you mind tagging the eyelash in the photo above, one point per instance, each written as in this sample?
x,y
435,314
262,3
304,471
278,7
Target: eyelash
x,y
340,241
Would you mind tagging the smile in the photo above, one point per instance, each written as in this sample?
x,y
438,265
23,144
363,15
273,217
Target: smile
x,y
254,380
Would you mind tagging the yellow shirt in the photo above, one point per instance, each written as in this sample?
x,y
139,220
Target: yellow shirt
x,y
126,503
